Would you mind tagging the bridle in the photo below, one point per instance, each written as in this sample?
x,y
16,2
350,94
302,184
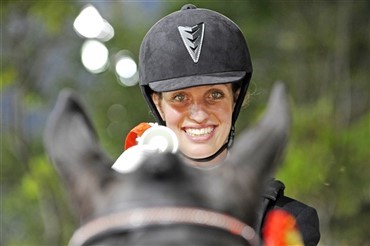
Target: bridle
x,y
107,225
127,220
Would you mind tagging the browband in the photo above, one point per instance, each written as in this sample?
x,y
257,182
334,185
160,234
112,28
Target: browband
x,y
137,218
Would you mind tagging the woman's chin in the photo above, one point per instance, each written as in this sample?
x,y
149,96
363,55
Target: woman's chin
x,y
201,153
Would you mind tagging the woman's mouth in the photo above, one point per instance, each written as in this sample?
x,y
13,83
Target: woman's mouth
x,y
199,132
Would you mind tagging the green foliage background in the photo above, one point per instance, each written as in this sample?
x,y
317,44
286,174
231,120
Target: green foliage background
x,y
320,49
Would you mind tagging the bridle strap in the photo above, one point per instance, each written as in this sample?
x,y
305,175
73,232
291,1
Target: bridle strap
x,y
138,218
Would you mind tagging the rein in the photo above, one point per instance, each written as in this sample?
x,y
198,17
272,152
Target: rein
x,y
137,218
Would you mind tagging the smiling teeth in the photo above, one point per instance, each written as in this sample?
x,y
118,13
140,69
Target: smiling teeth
x,y
199,131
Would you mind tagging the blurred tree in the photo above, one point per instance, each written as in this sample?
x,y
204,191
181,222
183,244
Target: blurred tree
x,y
31,57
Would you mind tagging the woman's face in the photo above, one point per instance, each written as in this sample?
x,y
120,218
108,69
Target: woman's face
x,y
200,117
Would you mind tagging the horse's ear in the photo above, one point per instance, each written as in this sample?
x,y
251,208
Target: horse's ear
x,y
72,145
258,151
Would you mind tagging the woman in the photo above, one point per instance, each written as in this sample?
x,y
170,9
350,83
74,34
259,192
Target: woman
x,y
195,70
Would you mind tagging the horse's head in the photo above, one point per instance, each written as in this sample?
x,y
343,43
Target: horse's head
x,y
165,201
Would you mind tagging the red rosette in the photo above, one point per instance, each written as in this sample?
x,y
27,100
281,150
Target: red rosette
x,y
280,229
135,132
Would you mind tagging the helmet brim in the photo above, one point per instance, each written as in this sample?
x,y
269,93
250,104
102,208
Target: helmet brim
x,y
196,80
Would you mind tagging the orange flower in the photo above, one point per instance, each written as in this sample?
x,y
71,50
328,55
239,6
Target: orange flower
x,y
280,229
135,132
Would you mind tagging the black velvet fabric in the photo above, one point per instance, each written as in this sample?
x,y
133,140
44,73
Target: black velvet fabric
x,y
165,60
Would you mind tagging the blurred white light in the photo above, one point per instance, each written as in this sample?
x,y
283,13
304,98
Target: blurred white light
x,y
90,24
126,69
94,56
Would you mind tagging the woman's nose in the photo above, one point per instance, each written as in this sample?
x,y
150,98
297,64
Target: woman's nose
x,y
198,113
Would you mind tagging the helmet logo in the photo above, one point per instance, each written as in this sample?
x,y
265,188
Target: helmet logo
x,y
193,39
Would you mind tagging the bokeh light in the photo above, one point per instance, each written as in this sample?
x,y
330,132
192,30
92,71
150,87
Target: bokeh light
x,y
90,24
126,69
94,56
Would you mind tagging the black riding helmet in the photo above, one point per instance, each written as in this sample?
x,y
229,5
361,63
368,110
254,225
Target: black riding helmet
x,y
193,47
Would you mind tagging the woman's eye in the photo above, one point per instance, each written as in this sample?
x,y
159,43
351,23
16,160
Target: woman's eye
x,y
178,98
216,95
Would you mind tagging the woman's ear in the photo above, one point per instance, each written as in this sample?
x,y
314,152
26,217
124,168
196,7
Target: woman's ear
x,y
157,101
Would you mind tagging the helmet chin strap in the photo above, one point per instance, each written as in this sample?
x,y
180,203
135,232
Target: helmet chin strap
x,y
227,145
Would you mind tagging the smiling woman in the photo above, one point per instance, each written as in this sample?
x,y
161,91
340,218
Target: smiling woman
x,y
199,85
200,117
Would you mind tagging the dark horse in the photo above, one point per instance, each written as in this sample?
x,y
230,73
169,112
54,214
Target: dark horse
x,y
164,201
